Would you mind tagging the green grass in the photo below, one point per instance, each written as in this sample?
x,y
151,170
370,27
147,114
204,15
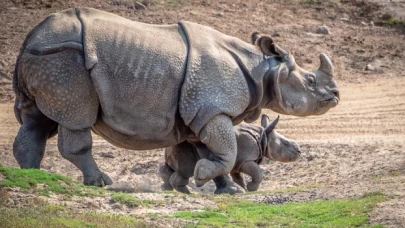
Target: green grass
x,y
44,182
393,22
58,216
322,213
126,199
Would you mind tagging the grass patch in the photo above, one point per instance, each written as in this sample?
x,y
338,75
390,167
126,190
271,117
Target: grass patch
x,y
126,199
393,22
44,182
58,216
322,213
132,201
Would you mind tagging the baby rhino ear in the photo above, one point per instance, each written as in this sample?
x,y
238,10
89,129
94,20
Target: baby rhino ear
x,y
254,37
271,126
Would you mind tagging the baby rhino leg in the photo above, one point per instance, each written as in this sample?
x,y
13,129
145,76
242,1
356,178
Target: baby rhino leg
x,y
237,178
179,183
166,172
253,170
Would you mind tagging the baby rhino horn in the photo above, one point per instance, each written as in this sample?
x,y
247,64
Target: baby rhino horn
x,y
273,124
326,65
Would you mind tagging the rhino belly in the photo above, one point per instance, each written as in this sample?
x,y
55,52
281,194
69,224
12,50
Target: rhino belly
x,y
137,142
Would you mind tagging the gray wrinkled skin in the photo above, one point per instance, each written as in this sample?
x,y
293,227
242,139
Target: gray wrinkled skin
x,y
142,86
254,144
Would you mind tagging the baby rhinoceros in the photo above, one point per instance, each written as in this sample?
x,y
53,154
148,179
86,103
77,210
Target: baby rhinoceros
x,y
254,144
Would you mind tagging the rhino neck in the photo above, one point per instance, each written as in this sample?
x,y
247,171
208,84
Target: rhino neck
x,y
254,67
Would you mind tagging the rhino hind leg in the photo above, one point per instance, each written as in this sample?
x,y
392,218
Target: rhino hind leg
x,y
166,172
36,128
75,146
179,183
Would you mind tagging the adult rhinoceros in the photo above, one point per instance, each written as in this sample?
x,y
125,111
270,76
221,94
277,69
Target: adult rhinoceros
x,y
142,86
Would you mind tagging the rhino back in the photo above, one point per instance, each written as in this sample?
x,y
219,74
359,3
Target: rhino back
x,y
137,70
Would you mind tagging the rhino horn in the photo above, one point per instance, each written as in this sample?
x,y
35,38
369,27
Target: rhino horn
x,y
326,65
273,124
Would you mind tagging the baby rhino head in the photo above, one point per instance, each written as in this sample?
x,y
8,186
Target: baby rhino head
x,y
279,148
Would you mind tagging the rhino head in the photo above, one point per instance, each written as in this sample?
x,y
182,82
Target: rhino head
x,y
279,148
296,91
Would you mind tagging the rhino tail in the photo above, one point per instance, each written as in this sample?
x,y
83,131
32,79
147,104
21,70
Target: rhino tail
x,y
19,87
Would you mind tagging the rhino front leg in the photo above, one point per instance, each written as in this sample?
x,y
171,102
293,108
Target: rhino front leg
x,y
223,183
218,135
75,146
166,172
252,169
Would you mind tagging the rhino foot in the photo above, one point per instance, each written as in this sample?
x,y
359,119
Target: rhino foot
x,y
100,180
203,172
166,187
252,186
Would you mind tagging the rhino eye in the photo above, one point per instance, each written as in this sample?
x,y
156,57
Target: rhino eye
x,y
311,80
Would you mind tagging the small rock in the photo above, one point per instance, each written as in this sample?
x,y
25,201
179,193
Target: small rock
x,y
371,24
344,19
363,23
323,30
219,14
98,6
369,67
108,154
139,6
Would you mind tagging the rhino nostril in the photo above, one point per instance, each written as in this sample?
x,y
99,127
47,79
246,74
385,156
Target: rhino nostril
x,y
336,93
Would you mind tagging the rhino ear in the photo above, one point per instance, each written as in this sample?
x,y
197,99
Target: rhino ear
x,y
254,37
265,121
271,127
267,46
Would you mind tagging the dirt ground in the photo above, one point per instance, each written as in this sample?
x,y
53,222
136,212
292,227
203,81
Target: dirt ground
x,y
357,147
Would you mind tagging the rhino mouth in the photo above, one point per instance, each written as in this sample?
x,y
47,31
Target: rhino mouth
x,y
330,103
